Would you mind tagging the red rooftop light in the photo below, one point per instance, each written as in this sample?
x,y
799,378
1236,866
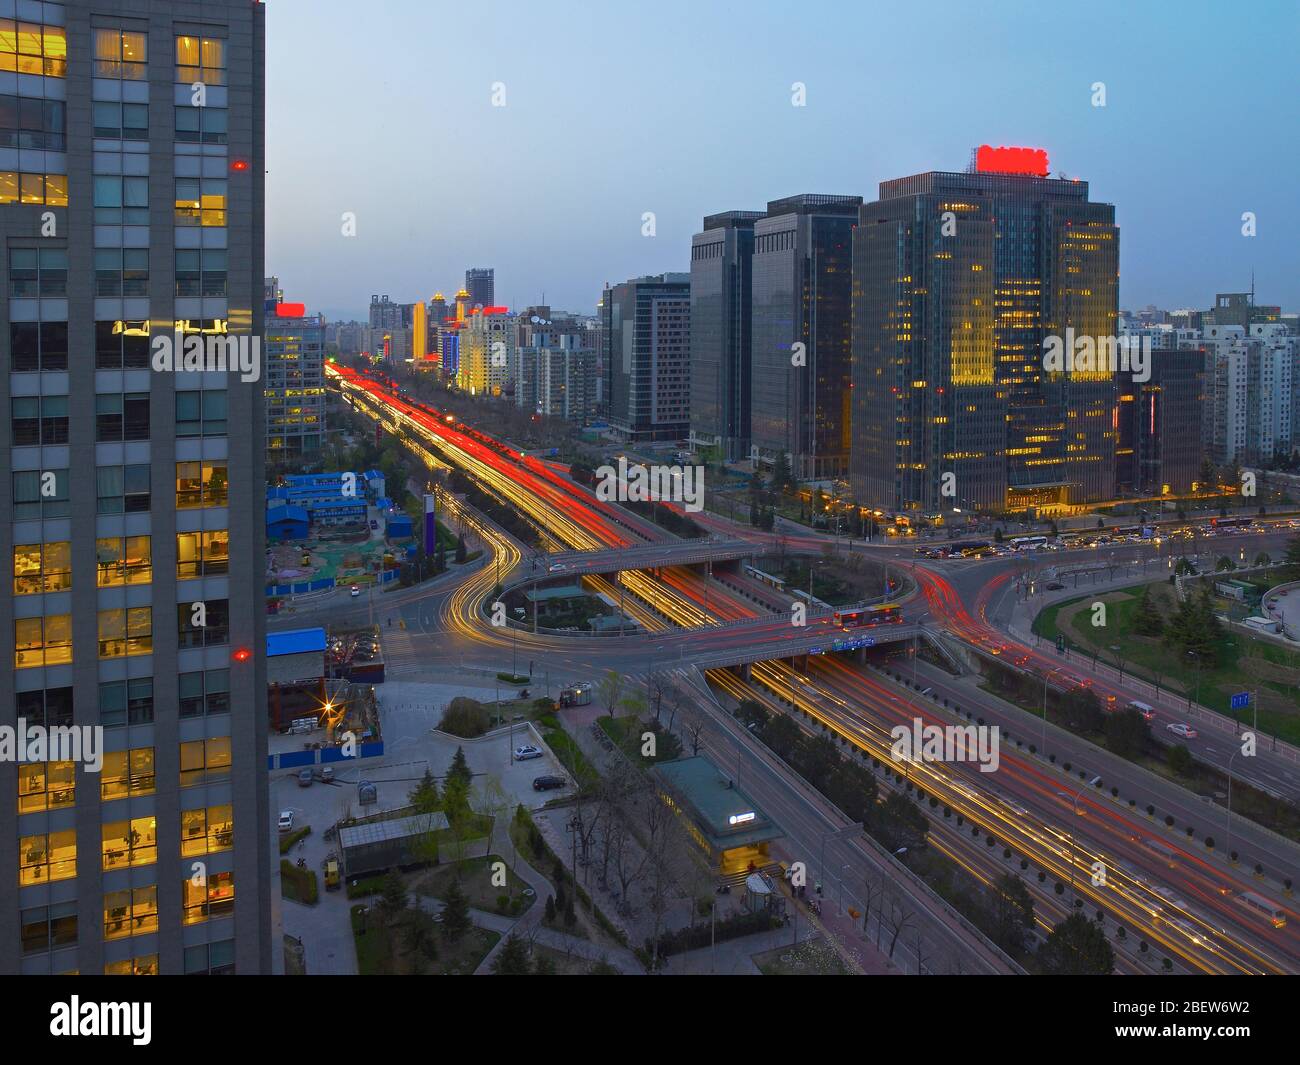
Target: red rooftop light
x,y
239,164
243,654
290,310
1030,161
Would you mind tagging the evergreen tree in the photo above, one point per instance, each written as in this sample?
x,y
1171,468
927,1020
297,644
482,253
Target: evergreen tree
x,y
1077,947
461,553
1147,621
424,796
512,959
393,899
460,768
455,913
550,909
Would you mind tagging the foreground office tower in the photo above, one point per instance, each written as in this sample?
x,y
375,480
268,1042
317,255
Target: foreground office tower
x,y
959,278
721,261
801,296
130,212
645,351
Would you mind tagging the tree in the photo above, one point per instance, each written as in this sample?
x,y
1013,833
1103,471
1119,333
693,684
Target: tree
x,y
1292,556
459,769
512,958
393,899
1077,947
424,796
461,553
1127,733
1179,759
455,913
550,909
1013,912
1209,476
1263,559
1224,564
418,938
1147,620
609,689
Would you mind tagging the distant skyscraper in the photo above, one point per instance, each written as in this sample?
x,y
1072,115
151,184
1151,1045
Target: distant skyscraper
x,y
958,280
127,482
295,386
801,296
1159,447
480,283
646,356
721,261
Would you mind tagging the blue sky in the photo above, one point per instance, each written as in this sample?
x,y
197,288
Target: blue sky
x,y
684,109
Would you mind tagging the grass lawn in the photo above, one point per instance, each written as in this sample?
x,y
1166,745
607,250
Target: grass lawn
x,y
571,964
381,950
1250,665
475,876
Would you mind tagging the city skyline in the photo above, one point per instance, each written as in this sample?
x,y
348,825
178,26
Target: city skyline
x,y
551,187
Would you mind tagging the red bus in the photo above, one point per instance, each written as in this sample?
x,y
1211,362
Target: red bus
x,y
888,614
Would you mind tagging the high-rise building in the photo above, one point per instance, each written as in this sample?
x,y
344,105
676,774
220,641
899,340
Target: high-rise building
x,y
480,285
1159,451
295,386
487,354
800,333
133,460
1251,382
959,279
646,356
556,364
721,261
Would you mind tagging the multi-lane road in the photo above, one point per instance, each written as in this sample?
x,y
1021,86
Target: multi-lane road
x,y
1163,883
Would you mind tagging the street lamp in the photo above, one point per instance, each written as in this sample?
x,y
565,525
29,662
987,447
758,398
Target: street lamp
x,y
1046,677
1228,850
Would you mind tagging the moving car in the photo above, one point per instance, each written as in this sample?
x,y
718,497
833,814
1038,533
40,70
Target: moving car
x,y
354,591
548,783
304,778
285,824
1178,728
527,751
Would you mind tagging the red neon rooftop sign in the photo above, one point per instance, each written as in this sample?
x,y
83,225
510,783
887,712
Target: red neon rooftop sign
x,y
1031,161
290,310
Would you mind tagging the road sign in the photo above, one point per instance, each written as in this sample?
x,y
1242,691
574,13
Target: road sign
x,y
1240,700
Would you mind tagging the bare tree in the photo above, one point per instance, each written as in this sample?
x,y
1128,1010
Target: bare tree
x,y
897,919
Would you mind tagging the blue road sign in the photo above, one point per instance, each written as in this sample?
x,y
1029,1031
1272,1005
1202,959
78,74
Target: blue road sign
x,y
1240,700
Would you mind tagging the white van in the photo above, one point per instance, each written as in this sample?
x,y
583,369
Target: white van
x,y
1147,712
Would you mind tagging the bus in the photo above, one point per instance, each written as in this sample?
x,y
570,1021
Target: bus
x,y
1261,907
969,549
1166,854
1231,523
887,614
1028,543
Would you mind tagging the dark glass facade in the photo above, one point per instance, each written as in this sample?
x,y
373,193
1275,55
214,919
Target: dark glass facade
x,y
645,349
1159,436
959,278
801,294
721,263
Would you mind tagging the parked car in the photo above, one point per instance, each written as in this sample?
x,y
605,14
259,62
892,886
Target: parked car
x,y
285,824
327,773
354,591
1178,728
1055,586
304,777
549,783
374,525
331,864
527,751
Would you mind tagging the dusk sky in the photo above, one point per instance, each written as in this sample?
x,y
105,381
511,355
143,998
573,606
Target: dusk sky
x,y
684,109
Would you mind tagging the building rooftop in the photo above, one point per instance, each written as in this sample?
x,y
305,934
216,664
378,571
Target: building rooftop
x,y
295,642
392,829
725,813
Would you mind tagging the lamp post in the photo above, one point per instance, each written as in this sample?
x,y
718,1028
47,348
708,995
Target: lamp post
x,y
1046,677
1228,848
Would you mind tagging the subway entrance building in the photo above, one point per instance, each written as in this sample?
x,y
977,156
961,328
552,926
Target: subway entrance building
x,y
722,819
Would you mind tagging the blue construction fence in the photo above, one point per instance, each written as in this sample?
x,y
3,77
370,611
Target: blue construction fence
x,y
322,584
323,756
